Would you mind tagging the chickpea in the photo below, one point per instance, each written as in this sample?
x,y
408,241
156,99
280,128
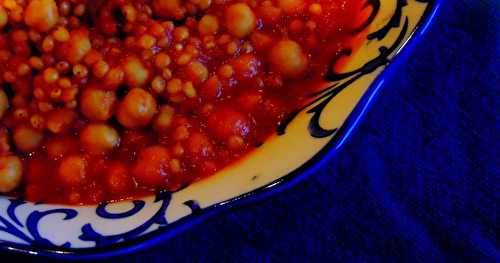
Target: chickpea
x,y
225,122
37,121
158,85
79,10
292,6
203,4
169,9
80,71
175,166
129,12
72,170
4,103
77,46
208,25
41,15
9,77
152,166
137,109
135,72
231,47
315,9
268,12
16,14
61,34
97,104
226,71
11,172
101,68
147,41
48,44
92,57
63,67
162,60
64,8
50,75
60,120
118,178
27,139
181,33
58,147
99,138
174,85
114,78
240,20
164,118
246,66
63,83
184,59
199,145
36,63
287,58
181,133
212,88
189,89
4,18
196,72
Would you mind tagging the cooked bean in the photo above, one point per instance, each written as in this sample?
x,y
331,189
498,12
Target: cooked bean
x,y
118,178
135,72
11,173
287,58
97,104
99,138
4,103
77,46
27,139
209,25
73,170
41,15
58,147
151,167
60,120
199,145
240,20
4,17
292,6
173,9
225,122
164,118
137,109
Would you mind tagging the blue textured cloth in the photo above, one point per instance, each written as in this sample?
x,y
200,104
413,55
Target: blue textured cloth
x,y
418,181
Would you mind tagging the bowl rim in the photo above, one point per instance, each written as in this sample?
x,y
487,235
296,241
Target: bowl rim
x,y
306,169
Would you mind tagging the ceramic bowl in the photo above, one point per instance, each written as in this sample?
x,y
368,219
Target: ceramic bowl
x,y
308,138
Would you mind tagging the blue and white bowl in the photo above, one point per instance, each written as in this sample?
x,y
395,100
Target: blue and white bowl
x,y
312,136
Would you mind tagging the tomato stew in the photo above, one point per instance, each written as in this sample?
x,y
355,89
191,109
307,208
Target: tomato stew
x,y
108,100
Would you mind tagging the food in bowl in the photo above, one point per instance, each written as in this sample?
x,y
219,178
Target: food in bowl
x,y
110,100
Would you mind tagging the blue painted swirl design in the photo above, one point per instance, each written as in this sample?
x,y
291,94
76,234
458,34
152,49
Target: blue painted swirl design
x,y
89,234
13,226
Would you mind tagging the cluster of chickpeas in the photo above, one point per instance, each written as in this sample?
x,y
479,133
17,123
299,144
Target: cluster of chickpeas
x,y
67,81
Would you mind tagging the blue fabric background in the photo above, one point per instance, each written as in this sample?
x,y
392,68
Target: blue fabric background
x,y
418,181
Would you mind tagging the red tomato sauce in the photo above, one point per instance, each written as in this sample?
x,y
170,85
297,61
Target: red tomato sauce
x,y
110,100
